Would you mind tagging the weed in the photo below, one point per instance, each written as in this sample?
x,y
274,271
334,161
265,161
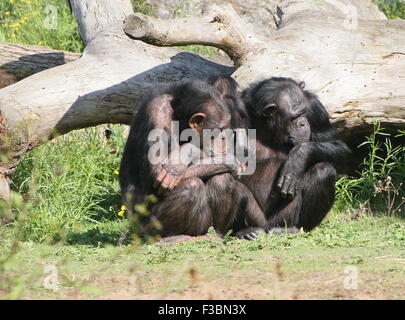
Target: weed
x,y
393,9
379,187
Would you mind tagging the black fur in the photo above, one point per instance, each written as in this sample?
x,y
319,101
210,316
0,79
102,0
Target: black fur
x,y
294,183
207,195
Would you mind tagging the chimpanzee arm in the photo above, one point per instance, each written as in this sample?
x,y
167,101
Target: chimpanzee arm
x,y
324,146
160,116
190,161
211,166
306,154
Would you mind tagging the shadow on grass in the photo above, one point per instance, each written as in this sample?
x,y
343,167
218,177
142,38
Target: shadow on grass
x,y
104,227
95,237
108,206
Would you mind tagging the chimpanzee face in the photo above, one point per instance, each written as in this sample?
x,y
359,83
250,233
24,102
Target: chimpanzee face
x,y
299,131
287,103
276,104
199,106
214,118
214,114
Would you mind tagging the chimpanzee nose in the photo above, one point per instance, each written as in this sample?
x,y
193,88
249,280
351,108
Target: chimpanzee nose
x,y
301,122
299,111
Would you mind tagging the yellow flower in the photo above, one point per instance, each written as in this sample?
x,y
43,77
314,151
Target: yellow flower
x,y
15,26
123,208
116,172
121,213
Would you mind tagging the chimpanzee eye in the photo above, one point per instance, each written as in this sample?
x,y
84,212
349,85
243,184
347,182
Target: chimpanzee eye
x,y
268,111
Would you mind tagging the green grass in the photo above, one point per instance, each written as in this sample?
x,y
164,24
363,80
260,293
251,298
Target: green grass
x,y
379,186
26,21
71,186
308,264
67,195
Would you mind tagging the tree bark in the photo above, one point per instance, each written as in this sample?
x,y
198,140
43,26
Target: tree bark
x,y
355,65
353,61
224,30
106,85
26,60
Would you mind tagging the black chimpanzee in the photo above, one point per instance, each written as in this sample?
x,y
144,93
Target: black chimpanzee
x,y
299,131
294,181
192,197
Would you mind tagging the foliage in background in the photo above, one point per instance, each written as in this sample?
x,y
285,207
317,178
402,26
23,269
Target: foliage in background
x,y
379,187
72,185
142,6
26,21
393,9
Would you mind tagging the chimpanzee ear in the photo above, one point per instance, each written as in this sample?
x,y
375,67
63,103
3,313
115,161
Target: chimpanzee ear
x,y
197,121
302,84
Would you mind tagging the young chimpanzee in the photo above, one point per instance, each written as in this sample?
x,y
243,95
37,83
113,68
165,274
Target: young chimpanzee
x,y
294,181
192,196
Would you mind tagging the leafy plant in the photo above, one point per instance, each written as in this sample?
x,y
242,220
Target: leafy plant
x,y
393,9
379,186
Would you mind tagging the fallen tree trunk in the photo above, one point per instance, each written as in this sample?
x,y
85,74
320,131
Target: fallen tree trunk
x,y
105,85
356,66
354,62
25,60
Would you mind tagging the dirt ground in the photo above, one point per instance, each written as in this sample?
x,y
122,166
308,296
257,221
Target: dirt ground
x,y
343,273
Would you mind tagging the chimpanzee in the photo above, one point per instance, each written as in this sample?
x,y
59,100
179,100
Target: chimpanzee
x,y
192,197
299,131
294,181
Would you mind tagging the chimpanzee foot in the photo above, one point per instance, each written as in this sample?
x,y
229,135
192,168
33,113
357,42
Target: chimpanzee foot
x,y
249,233
282,231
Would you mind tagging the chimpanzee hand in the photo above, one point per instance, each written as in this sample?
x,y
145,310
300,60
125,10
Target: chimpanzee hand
x,y
168,178
289,184
291,175
235,167
222,163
